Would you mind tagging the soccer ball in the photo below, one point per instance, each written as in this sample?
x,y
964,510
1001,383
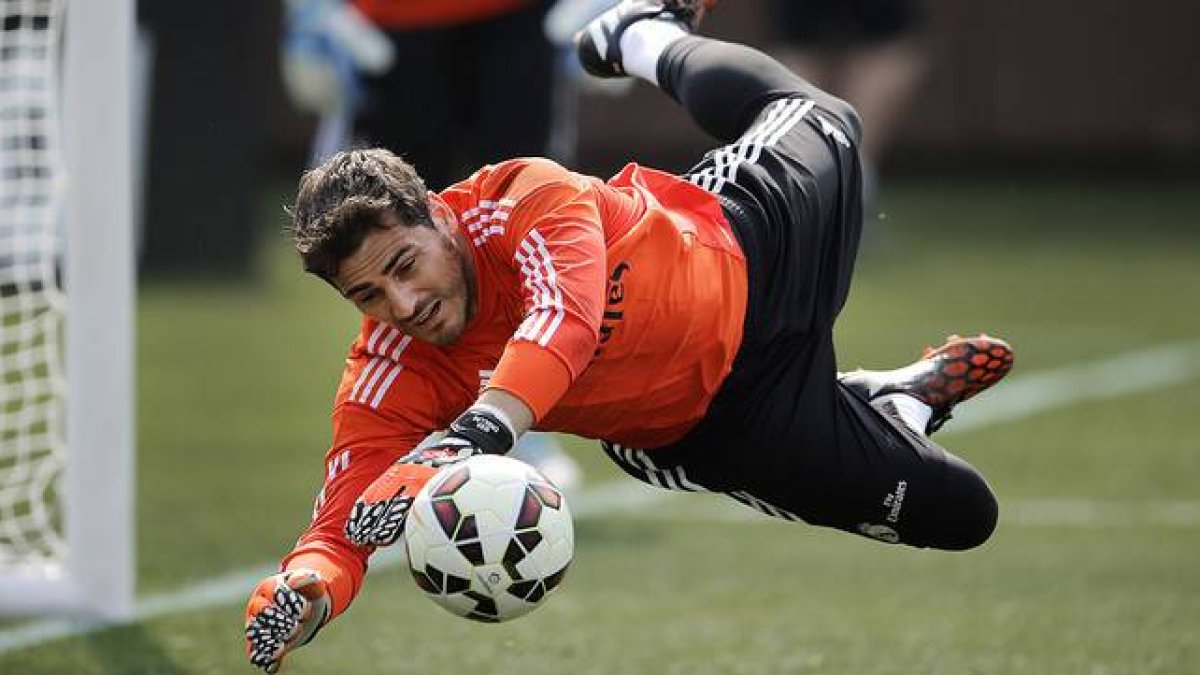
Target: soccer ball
x,y
489,538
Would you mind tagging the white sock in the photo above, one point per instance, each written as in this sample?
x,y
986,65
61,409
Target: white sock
x,y
643,42
914,413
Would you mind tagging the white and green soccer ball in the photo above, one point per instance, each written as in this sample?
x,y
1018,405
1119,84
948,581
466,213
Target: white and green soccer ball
x,y
489,538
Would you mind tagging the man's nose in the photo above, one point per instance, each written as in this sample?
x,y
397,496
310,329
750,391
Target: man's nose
x,y
402,300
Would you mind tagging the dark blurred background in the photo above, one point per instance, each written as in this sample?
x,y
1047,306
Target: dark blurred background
x,y
1100,90
1098,87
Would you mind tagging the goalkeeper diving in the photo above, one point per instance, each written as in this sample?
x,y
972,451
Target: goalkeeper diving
x,y
684,321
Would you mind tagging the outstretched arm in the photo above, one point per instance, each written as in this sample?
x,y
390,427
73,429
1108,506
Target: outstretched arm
x,y
384,410
321,576
554,242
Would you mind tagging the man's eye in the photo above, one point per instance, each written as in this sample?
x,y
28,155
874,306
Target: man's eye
x,y
366,296
405,265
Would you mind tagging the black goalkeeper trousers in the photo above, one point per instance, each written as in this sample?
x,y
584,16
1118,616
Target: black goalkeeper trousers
x,y
783,435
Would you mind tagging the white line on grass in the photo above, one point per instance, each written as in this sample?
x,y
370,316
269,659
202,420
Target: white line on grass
x,y
1020,397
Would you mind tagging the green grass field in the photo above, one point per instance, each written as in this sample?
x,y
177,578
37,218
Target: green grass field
x,y
1094,570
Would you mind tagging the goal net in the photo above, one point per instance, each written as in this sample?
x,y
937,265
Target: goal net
x,y
65,308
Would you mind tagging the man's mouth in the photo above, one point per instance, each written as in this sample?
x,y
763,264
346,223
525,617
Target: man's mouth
x,y
425,318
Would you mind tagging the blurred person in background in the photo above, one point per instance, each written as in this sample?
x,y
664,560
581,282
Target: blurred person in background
x,y
685,320
868,52
446,84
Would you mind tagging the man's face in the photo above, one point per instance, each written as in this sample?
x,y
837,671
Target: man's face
x,y
417,279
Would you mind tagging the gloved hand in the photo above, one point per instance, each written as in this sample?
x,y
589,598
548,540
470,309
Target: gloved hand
x,y
325,45
285,612
377,518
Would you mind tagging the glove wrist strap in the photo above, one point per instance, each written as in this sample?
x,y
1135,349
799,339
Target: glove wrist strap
x,y
487,427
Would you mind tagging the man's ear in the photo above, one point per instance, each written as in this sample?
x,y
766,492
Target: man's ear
x,y
441,213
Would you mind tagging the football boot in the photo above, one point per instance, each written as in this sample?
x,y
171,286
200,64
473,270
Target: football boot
x,y
942,378
598,44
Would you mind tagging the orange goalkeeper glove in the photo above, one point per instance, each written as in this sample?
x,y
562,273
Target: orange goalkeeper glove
x,y
285,612
377,518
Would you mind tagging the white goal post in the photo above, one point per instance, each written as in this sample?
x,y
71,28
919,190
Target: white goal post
x,y
66,334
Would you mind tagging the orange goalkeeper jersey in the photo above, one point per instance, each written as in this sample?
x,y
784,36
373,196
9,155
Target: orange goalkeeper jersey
x,y
612,309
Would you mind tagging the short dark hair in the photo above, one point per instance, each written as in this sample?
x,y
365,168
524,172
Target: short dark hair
x,y
348,196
